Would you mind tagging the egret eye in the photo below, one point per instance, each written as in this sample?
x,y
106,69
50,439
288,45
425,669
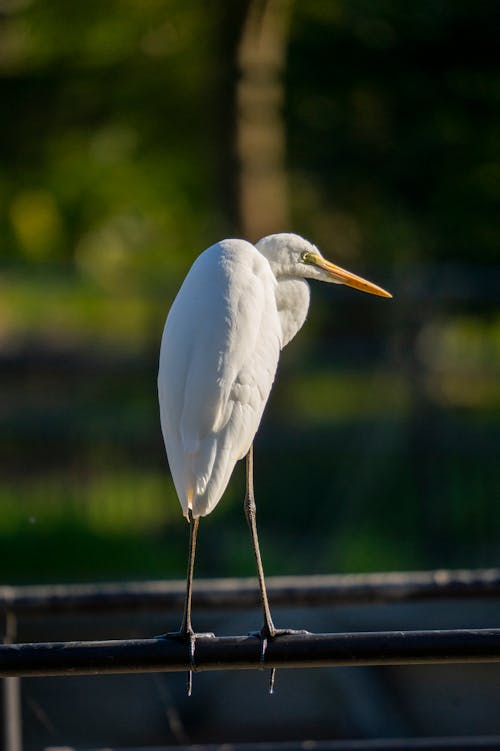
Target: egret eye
x,y
306,257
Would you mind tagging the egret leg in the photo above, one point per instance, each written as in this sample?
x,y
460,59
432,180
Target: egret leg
x,y
186,632
186,627
268,631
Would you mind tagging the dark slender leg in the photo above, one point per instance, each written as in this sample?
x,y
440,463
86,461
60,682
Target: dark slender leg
x,y
186,632
268,630
186,627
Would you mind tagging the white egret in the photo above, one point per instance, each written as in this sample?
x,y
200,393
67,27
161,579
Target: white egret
x,y
238,306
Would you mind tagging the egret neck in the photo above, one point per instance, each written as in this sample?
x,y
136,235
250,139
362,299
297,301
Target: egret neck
x,y
292,301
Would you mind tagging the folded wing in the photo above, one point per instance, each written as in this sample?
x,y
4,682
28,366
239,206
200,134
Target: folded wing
x,y
218,359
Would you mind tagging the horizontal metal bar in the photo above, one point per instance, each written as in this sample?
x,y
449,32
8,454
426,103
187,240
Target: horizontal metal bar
x,y
301,650
440,743
293,591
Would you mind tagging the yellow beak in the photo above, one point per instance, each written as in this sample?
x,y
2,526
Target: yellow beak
x,y
346,277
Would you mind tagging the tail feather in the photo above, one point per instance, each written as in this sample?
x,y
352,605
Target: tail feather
x,y
204,502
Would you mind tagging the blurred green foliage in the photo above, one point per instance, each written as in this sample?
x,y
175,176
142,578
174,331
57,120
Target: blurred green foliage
x,y
117,140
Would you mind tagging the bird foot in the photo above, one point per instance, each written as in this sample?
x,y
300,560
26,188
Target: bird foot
x,y
268,633
188,636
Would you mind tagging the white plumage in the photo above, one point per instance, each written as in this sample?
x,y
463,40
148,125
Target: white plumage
x,y
218,359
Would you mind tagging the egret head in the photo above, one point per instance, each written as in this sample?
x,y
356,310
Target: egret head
x,y
290,255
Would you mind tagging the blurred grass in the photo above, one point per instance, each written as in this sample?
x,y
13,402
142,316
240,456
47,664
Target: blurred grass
x,y
62,526
329,499
346,480
324,396
109,504
351,474
65,307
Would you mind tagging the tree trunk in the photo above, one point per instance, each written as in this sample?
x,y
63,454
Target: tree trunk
x,y
260,129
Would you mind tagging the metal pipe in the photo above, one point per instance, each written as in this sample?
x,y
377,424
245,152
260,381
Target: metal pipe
x,y
228,594
243,652
12,712
440,743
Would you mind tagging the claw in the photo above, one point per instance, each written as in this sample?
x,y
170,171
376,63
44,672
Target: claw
x,y
272,676
192,649
289,632
263,637
189,636
265,634
263,648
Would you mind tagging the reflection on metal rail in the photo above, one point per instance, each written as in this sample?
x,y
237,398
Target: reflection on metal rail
x,y
293,591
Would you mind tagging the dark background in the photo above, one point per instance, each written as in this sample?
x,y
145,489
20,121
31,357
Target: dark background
x,y
135,134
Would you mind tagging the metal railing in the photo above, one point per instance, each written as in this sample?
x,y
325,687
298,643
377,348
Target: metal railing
x,y
231,594
443,743
302,650
244,652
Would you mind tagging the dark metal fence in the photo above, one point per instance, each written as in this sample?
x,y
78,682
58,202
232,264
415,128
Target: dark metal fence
x,y
472,743
229,594
244,652
303,650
